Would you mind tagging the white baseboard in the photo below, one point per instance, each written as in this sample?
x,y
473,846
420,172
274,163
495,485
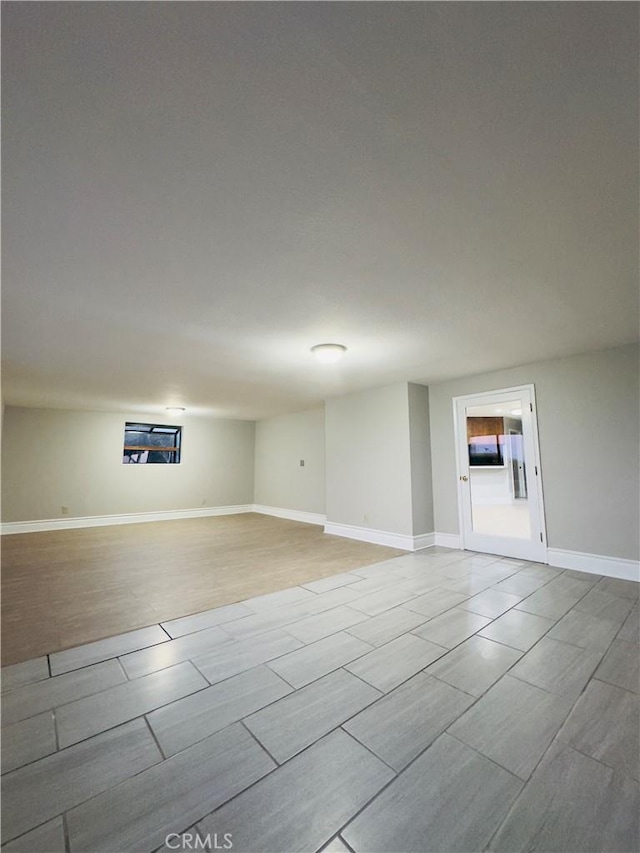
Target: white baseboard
x,y
131,518
448,540
367,534
291,514
612,567
424,540
404,542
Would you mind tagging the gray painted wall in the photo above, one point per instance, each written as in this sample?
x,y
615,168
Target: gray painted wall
x,y
53,458
281,443
420,447
368,459
378,459
588,423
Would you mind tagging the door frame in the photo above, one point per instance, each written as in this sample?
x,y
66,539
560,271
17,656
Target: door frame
x,y
478,399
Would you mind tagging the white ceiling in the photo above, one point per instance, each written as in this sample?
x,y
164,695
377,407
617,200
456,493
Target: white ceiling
x,y
196,193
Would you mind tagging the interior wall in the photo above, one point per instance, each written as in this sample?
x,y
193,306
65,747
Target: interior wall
x,y
281,443
588,422
368,460
53,458
420,450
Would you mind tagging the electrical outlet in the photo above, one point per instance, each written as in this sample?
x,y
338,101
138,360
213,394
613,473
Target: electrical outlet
x,y
64,510
365,518
204,501
302,463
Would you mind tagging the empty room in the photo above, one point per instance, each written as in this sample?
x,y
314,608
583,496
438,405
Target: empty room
x,y
320,427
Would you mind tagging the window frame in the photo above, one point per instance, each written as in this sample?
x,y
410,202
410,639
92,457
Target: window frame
x,y
131,450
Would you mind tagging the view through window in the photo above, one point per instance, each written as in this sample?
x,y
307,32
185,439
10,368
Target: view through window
x,y
146,444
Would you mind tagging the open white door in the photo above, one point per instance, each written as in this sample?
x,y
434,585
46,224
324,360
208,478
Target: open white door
x,y
499,474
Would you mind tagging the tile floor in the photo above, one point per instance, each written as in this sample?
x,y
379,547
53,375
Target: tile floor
x,y
440,701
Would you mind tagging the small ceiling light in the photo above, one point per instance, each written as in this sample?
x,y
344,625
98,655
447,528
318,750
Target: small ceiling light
x,y
328,353
175,410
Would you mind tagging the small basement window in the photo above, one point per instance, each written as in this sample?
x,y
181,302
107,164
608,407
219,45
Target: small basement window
x,y
146,444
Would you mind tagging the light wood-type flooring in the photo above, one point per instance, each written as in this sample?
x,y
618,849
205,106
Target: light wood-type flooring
x,y
68,587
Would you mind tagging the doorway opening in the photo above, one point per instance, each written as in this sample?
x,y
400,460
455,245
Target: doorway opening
x,y
499,474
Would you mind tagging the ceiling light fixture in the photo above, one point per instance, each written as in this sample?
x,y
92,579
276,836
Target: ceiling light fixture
x,y
328,353
175,410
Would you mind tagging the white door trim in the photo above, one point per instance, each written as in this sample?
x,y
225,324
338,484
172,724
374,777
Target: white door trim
x,y
534,482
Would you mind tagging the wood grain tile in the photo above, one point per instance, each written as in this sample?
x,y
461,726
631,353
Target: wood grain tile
x,y
605,724
48,838
605,605
336,845
621,666
303,803
292,595
391,664
474,665
332,582
451,628
630,631
207,619
380,629
293,723
384,599
87,717
101,650
435,602
312,662
520,584
517,629
617,586
27,741
491,603
513,724
45,695
313,628
20,674
450,799
403,723
557,667
138,814
175,651
46,788
547,603
189,720
572,804
232,658
584,630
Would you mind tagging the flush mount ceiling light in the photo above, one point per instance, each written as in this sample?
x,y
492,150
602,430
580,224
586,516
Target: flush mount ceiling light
x,y
175,410
328,353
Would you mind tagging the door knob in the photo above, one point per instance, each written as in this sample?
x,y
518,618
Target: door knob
x,y
464,478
